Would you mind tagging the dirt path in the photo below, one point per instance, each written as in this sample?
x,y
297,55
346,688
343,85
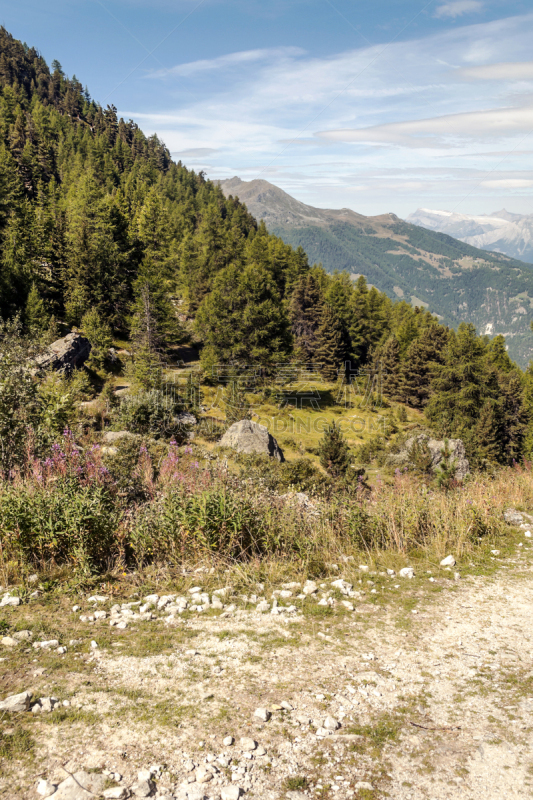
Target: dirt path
x,y
434,701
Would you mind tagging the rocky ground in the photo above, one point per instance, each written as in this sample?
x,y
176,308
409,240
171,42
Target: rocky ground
x,y
363,685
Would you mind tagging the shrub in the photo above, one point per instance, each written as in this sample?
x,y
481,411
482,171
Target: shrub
x,y
151,413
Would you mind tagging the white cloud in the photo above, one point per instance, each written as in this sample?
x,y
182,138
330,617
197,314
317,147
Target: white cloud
x,y
434,131
253,112
507,183
457,8
505,71
224,62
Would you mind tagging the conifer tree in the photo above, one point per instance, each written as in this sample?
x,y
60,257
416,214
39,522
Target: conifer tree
x,y
35,317
305,314
334,451
330,344
98,332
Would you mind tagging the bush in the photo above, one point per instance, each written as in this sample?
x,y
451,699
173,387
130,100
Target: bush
x,y
151,413
62,522
180,527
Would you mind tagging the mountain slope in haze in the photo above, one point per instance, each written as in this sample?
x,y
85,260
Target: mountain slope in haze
x,y
501,232
449,277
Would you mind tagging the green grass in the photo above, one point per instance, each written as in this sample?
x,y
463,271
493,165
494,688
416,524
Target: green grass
x,y
17,745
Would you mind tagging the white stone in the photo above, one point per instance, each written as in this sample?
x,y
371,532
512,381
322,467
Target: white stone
x,y
94,645
23,636
248,744
342,586
364,785
116,793
81,786
8,641
263,714
391,573
16,702
142,788
195,590
310,587
363,568
262,606
449,561
527,534
45,788
76,608
228,741
331,724
203,775
8,600
231,792
407,572
495,552
286,705
97,598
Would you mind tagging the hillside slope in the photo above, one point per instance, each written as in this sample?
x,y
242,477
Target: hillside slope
x,y
449,277
501,232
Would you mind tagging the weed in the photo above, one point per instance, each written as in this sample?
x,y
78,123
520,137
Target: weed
x,y
15,745
296,783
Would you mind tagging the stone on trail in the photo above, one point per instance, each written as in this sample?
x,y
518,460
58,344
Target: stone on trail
x,y
142,788
80,786
407,572
331,724
8,641
45,788
364,785
9,600
250,437
263,714
310,588
203,775
116,793
512,516
248,744
231,792
449,561
228,741
16,702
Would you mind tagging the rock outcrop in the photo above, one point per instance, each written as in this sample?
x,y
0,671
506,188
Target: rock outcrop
x,y
66,354
250,437
435,446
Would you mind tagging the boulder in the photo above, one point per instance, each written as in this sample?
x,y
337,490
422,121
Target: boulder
x,y
435,446
250,437
66,354
16,702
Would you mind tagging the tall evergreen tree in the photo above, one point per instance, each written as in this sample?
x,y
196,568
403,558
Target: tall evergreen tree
x,y
331,350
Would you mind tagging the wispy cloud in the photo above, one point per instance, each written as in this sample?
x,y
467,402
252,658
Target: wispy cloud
x,y
457,8
506,71
434,131
240,59
257,113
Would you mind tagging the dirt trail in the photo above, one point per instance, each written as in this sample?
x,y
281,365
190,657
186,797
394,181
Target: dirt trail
x,y
432,704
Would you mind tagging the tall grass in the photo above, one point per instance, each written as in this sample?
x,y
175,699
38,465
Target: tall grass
x,y
68,509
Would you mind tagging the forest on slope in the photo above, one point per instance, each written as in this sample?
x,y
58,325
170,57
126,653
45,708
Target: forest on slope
x,y
100,229
451,278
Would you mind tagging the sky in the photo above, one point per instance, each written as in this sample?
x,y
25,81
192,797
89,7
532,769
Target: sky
x,y
382,106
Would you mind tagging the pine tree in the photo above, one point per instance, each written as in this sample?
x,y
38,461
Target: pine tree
x,y
305,314
147,367
330,344
98,332
334,451
387,363
236,405
422,355
35,317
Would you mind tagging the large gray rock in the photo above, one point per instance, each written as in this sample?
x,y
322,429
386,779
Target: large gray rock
x,y
80,786
435,446
66,354
250,437
16,702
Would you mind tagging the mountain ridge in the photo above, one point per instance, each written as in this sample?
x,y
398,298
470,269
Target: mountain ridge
x,y
449,277
501,232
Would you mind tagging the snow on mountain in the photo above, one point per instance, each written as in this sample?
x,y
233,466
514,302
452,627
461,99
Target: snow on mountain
x,y
500,232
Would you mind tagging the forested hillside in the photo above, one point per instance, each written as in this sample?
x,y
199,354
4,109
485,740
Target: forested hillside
x,y
451,278
100,229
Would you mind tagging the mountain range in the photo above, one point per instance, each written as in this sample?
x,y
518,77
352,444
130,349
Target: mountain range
x,y
452,278
500,232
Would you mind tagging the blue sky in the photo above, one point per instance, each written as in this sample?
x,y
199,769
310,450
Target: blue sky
x,y
377,106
